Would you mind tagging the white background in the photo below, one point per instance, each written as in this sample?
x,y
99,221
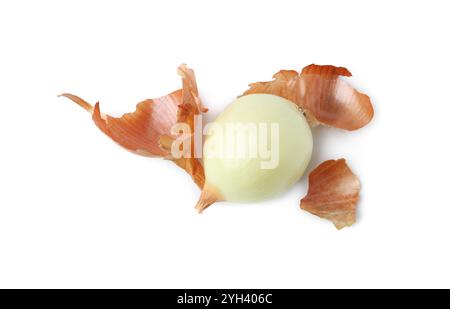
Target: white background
x,y
77,211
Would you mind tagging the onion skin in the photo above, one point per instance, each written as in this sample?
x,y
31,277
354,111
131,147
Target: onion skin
x,y
138,132
326,98
147,130
333,193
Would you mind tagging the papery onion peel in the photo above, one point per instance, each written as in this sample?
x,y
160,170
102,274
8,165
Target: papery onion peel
x,y
325,98
147,131
333,193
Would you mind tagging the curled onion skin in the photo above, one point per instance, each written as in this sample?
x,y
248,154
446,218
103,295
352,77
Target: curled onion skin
x,y
139,131
325,98
147,130
333,193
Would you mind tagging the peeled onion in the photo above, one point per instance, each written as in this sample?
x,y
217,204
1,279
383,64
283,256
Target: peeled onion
x,y
258,147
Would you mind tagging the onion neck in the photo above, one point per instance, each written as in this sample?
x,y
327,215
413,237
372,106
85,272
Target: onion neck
x,y
209,196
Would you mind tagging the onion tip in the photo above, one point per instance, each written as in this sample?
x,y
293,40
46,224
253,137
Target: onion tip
x,y
208,197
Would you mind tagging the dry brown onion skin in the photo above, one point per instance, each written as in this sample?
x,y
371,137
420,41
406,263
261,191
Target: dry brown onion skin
x,y
333,193
325,98
147,131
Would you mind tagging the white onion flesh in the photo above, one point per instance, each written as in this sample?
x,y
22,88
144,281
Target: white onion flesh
x,y
238,175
